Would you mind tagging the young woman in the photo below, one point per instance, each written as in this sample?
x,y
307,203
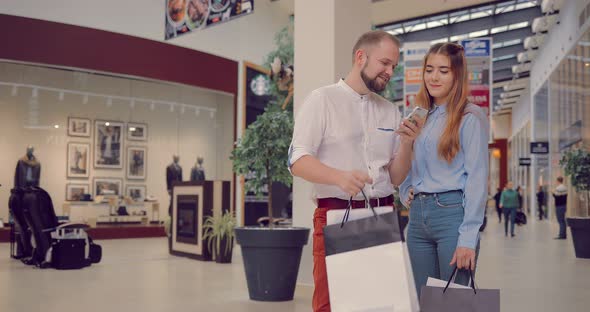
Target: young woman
x,y
449,174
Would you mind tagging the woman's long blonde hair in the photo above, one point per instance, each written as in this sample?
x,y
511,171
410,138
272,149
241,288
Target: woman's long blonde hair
x,y
449,143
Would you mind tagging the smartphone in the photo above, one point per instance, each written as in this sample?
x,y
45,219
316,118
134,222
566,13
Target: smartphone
x,y
419,112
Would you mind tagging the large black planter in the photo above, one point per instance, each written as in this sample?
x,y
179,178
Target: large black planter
x,y
581,236
271,260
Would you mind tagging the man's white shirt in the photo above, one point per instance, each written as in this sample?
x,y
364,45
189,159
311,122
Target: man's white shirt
x,y
347,131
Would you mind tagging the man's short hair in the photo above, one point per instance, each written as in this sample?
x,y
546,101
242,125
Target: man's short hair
x,y
372,38
560,179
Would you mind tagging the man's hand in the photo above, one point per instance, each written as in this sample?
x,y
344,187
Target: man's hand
x,y
410,198
352,182
408,131
464,258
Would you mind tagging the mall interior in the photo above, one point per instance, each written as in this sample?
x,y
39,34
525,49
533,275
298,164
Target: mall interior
x,y
143,157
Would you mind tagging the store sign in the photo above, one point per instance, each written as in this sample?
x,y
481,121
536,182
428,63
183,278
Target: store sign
x,y
524,161
480,97
542,161
479,58
477,47
539,147
184,16
414,53
414,75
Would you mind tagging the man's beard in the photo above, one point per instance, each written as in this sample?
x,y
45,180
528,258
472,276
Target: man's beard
x,y
372,84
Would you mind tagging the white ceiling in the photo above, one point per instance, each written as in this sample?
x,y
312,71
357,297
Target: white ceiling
x,y
386,11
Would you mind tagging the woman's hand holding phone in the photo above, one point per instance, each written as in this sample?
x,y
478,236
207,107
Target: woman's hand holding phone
x,y
411,126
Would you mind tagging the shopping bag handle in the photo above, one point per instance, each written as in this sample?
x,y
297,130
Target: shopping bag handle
x,y
472,284
349,207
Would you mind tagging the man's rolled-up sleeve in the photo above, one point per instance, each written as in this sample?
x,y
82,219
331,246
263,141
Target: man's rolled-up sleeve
x,y
310,125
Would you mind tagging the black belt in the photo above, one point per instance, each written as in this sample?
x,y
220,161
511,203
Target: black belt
x,y
337,203
439,193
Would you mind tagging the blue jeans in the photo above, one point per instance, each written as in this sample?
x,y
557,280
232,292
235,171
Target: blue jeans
x,y
509,215
433,233
560,214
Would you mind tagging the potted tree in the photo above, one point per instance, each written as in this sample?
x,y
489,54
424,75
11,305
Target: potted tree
x,y
576,164
219,234
271,254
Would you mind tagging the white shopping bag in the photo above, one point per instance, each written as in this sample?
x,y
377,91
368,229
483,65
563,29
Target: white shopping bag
x,y
435,282
377,278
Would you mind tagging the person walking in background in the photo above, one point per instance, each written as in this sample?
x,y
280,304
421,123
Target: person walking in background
x,y
560,196
540,201
509,203
497,200
519,191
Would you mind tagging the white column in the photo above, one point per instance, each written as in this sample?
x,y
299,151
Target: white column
x,y
325,32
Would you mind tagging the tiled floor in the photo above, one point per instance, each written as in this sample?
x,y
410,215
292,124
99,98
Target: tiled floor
x,y
533,271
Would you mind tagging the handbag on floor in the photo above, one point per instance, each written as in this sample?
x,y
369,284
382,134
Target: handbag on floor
x,y
367,264
520,218
458,298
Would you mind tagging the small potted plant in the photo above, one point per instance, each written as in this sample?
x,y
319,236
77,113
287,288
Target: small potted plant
x,y
219,235
576,164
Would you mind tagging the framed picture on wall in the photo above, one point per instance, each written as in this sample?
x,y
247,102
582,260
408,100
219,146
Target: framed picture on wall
x,y
79,127
78,160
136,192
108,144
136,162
76,191
136,131
107,186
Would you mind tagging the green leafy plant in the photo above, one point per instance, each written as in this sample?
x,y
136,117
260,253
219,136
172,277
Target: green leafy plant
x,y
284,52
397,79
262,153
218,228
576,164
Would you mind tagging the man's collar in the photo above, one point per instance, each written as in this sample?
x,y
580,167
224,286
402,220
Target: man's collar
x,y
351,91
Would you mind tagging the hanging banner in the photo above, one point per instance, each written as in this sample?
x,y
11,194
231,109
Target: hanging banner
x,y
414,53
184,16
478,53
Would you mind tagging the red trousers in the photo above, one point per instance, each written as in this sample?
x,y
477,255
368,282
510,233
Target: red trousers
x,y
321,297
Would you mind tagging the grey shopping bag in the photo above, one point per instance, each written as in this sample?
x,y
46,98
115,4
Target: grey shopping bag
x,y
445,299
